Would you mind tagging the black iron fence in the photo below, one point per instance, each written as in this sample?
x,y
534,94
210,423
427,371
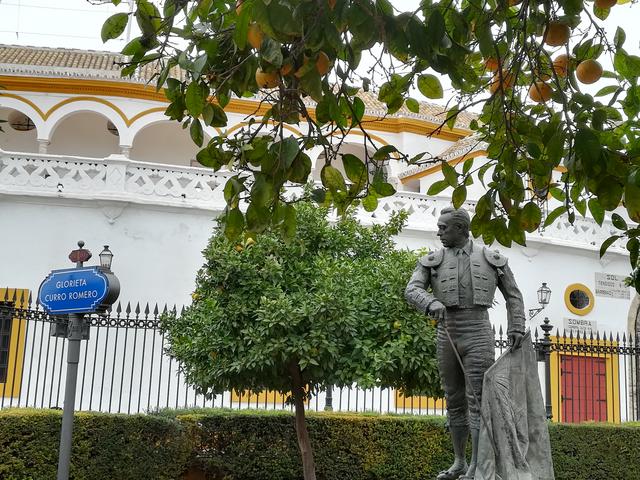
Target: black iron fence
x,y
124,368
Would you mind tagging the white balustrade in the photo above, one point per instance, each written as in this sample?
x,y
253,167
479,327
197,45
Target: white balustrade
x,y
120,179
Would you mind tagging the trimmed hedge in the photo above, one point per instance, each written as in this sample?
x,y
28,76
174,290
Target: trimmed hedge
x,y
256,446
249,445
105,446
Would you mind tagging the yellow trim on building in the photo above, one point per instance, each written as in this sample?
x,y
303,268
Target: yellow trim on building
x,y
268,397
112,88
587,291
438,167
612,375
11,387
421,402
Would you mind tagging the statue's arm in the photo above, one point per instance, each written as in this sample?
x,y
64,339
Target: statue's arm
x,y
416,292
513,297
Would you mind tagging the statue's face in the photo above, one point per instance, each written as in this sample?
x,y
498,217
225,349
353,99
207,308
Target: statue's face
x,y
450,234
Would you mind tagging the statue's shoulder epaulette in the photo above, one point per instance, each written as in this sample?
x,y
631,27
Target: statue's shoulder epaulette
x,y
432,259
495,258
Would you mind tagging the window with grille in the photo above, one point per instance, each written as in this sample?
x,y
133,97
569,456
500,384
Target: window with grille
x,y
6,319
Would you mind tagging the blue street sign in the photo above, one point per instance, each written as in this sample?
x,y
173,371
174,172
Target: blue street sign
x,y
74,290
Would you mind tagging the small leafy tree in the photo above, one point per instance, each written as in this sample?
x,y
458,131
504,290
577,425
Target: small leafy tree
x,y
326,308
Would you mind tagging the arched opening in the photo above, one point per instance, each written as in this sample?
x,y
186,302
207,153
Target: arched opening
x,y
19,132
165,142
84,134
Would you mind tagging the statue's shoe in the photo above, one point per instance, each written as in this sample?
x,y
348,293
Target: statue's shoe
x,y
452,474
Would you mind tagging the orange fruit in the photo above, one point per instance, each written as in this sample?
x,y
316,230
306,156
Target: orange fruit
x,y
323,64
491,64
266,79
255,35
286,69
605,3
332,4
561,65
502,84
540,92
556,34
589,71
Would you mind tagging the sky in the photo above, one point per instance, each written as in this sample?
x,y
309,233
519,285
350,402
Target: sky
x,y
77,24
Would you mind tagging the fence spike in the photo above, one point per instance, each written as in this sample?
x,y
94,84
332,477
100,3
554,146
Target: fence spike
x,y
598,335
119,309
128,309
164,310
591,336
175,310
624,338
493,329
535,334
30,299
137,310
182,311
500,331
570,334
146,311
14,297
155,310
6,295
610,336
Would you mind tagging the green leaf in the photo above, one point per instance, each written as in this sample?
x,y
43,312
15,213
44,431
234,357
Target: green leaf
x,y
429,85
607,243
196,132
596,210
300,169
450,174
270,51
233,224
452,116
370,202
552,217
608,90
114,26
438,187
413,105
618,222
632,201
609,193
530,217
218,117
257,217
384,152
459,196
355,169
619,38
288,149
195,98
332,179
289,225
384,189
587,146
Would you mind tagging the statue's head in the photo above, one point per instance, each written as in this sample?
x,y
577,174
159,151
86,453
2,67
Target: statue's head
x,y
453,227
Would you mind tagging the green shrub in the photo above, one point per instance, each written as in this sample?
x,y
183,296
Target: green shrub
x,y
113,447
246,445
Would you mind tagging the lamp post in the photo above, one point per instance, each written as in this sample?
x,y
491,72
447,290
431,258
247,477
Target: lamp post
x,y
544,294
76,292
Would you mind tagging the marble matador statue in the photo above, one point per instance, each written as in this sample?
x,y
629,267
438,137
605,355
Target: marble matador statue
x,y
456,286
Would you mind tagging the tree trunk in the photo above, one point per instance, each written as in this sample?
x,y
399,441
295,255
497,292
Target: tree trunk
x,y
308,465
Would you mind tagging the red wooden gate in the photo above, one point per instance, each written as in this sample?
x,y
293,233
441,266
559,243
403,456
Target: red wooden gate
x,y
583,388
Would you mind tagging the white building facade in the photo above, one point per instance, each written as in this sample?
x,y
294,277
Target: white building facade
x,y
89,156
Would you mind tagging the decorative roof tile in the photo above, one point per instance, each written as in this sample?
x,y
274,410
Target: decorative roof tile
x,y
62,62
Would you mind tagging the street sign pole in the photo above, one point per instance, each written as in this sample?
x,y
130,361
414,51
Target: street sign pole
x,y
73,357
76,292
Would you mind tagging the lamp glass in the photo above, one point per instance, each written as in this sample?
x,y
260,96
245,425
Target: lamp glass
x,y
106,257
544,293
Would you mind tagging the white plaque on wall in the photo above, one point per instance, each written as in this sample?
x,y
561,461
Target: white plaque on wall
x,y
580,326
611,286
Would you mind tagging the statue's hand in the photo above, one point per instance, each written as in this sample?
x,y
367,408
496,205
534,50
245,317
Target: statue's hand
x,y
515,339
437,311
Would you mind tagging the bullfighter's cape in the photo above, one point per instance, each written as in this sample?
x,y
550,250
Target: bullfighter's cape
x,y
514,438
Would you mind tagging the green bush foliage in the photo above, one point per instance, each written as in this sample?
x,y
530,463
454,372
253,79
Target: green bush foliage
x,y
259,445
256,446
105,446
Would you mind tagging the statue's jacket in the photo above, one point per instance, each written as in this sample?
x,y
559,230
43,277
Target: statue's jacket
x,y
436,277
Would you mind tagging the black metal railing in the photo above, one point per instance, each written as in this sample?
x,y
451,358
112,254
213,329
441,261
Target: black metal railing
x,y
124,368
